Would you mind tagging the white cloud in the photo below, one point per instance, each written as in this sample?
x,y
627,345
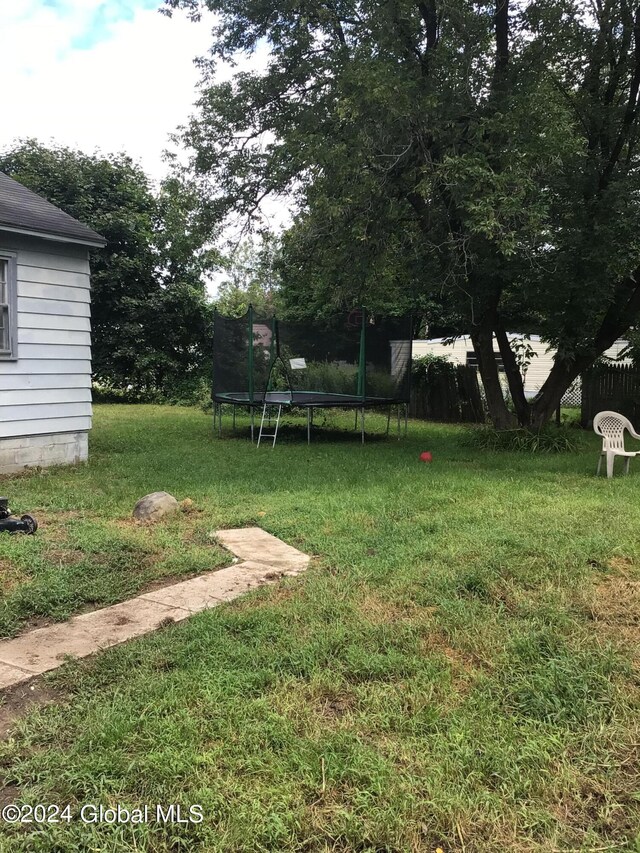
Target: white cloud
x,y
108,75
126,90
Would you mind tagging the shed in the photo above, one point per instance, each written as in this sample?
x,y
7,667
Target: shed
x,y
45,332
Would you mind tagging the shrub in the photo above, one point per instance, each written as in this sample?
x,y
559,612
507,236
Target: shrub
x,y
549,439
192,392
428,366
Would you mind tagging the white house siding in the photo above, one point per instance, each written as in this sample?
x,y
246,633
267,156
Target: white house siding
x,y
537,371
45,395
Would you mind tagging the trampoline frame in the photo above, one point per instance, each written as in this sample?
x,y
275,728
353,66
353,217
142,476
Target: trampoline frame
x,y
401,408
309,400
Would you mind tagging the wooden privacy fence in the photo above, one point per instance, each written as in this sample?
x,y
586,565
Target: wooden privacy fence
x,y
451,394
614,387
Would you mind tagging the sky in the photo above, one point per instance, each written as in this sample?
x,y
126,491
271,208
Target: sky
x,y
108,75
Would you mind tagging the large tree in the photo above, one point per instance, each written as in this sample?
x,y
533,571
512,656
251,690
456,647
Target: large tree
x,y
150,317
486,151
251,278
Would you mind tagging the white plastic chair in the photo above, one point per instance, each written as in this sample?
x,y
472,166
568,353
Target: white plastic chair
x,y
611,426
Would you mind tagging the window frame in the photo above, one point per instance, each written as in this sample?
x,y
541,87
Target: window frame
x,y
11,304
472,360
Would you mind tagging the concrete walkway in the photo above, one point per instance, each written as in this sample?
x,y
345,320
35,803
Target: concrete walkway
x,y
265,559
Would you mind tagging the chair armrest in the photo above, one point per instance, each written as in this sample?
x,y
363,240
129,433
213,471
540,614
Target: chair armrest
x,y
634,434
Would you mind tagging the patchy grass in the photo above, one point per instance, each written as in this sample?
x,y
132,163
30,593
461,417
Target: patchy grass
x,y
451,672
89,552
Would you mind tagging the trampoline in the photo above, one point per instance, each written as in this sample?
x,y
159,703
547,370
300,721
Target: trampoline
x,y
349,361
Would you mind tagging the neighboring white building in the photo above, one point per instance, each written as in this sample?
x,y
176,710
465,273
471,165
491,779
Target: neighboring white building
x,y
461,352
45,333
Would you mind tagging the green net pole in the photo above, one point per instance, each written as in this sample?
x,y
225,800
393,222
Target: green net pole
x,y
250,316
362,364
272,351
214,369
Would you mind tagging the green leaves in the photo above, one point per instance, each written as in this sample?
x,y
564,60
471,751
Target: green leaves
x,y
150,317
473,161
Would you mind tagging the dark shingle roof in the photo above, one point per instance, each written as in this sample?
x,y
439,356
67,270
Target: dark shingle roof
x,y
24,212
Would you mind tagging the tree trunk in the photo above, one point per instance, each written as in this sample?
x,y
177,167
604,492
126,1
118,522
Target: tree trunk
x,y
500,415
620,315
546,403
514,377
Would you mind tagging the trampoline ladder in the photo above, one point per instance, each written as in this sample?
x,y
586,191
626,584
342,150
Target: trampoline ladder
x,y
274,434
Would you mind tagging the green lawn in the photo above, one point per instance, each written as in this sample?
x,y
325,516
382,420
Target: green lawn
x,y
458,668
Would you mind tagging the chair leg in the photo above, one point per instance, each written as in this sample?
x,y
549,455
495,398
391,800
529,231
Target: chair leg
x,y
599,465
610,458
627,461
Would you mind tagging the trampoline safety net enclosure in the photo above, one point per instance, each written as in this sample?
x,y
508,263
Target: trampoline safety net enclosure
x,y
351,361
355,360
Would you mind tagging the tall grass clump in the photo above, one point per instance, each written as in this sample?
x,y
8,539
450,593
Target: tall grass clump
x,y
549,439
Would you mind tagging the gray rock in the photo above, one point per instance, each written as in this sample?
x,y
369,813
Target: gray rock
x,y
155,506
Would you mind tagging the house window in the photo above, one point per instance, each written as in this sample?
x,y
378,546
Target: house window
x,y
8,307
472,360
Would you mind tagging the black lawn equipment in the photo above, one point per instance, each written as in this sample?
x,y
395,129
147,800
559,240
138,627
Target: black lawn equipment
x,y
12,524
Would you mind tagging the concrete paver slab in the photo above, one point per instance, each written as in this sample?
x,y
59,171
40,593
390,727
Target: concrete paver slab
x,y
46,648
214,588
266,559
192,595
253,543
12,675
113,625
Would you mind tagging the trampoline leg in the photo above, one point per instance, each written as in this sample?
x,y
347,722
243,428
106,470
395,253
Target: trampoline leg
x,y
220,421
362,423
388,420
215,413
251,410
275,434
309,426
234,417
406,419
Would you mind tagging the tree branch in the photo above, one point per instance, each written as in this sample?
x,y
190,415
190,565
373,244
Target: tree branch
x,y
501,23
430,19
410,46
514,377
631,111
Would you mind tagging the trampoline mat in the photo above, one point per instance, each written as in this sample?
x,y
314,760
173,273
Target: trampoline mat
x,y
308,399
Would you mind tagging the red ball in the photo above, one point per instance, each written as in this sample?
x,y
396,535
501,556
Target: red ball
x,y
426,456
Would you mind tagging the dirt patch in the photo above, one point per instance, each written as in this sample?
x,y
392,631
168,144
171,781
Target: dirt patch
x,y
35,622
124,523
381,611
604,798
616,601
56,524
9,794
309,706
65,556
436,642
10,576
624,565
50,516
615,610
333,707
16,701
